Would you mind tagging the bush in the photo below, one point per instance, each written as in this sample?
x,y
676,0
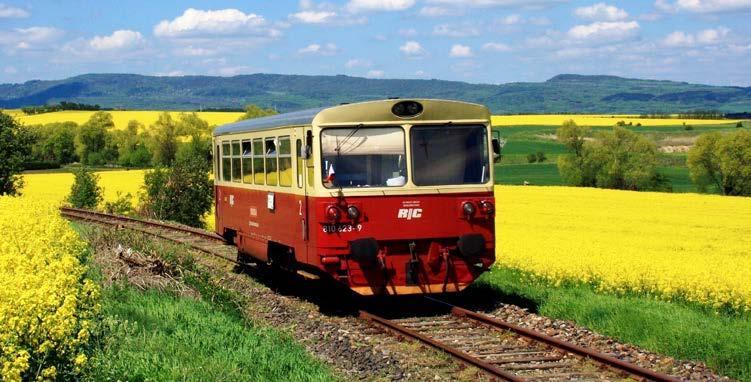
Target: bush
x,y
541,156
739,124
531,158
85,192
722,161
687,127
40,165
182,193
122,205
15,144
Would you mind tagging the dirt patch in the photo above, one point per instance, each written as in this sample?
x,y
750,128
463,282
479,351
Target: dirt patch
x,y
674,149
118,263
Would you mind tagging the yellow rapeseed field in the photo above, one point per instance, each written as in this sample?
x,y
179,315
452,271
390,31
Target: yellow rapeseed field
x,y
46,304
687,246
121,118
598,120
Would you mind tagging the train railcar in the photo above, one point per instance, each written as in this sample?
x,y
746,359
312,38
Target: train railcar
x,y
387,197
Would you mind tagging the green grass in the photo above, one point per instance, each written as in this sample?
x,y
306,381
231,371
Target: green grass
x,y
538,174
683,331
157,336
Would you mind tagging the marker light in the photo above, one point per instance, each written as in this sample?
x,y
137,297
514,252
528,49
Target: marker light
x,y
407,109
487,207
332,213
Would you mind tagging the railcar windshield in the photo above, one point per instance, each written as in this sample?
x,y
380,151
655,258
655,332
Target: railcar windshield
x,y
443,155
363,157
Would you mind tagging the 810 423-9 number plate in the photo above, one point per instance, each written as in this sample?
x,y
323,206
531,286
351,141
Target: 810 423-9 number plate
x,y
334,228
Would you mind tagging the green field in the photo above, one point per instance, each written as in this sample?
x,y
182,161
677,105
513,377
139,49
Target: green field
x,y
514,167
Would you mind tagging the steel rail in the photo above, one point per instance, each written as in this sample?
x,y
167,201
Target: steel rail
x,y
605,359
102,218
490,368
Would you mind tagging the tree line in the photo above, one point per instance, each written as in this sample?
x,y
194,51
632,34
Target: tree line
x,y
64,105
623,159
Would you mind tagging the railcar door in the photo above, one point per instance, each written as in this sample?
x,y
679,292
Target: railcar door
x,y
301,166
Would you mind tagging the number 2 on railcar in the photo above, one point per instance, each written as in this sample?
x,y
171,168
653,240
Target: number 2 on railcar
x,y
386,197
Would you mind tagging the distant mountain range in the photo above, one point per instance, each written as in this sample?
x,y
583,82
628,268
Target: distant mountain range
x,y
565,93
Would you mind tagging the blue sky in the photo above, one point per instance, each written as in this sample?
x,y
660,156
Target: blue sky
x,y
481,41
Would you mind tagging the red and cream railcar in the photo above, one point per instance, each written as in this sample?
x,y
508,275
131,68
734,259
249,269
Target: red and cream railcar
x,y
387,197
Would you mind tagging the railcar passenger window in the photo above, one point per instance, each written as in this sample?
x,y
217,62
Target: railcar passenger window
x,y
285,162
247,161
271,165
226,162
258,172
298,147
236,161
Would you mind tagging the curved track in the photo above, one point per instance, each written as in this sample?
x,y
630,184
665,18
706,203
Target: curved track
x,y
504,350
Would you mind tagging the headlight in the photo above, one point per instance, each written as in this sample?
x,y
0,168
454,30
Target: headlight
x,y
353,212
487,207
469,208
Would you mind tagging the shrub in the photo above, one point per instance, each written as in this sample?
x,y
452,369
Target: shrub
x,y
531,158
739,124
182,193
541,156
122,205
85,192
722,161
14,146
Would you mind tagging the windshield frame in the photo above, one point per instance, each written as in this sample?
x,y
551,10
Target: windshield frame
x,y
359,128
485,154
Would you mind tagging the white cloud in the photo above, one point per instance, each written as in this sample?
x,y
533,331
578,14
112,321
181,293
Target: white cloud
x,y
604,30
421,73
223,22
409,32
523,4
703,6
356,6
120,39
229,71
511,20
8,12
412,49
435,12
705,37
319,50
496,47
30,38
357,63
601,11
313,17
10,70
195,51
306,4
448,30
460,51
374,74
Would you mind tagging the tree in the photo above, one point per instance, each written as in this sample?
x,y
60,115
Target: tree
x,y
132,150
619,159
85,192
164,140
253,111
723,161
199,131
15,145
703,162
92,139
183,193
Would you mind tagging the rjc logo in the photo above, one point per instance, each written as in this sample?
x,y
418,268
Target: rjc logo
x,y
409,213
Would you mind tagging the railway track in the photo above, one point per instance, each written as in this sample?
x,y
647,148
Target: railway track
x,y
502,349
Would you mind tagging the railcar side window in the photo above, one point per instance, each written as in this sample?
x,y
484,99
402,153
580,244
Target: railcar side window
x,y
258,172
271,165
285,162
236,161
298,147
363,157
247,161
226,162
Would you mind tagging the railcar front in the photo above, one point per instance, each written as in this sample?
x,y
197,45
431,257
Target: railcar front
x,y
404,198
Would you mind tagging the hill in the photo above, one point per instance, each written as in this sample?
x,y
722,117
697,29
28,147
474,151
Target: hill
x,y
565,93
